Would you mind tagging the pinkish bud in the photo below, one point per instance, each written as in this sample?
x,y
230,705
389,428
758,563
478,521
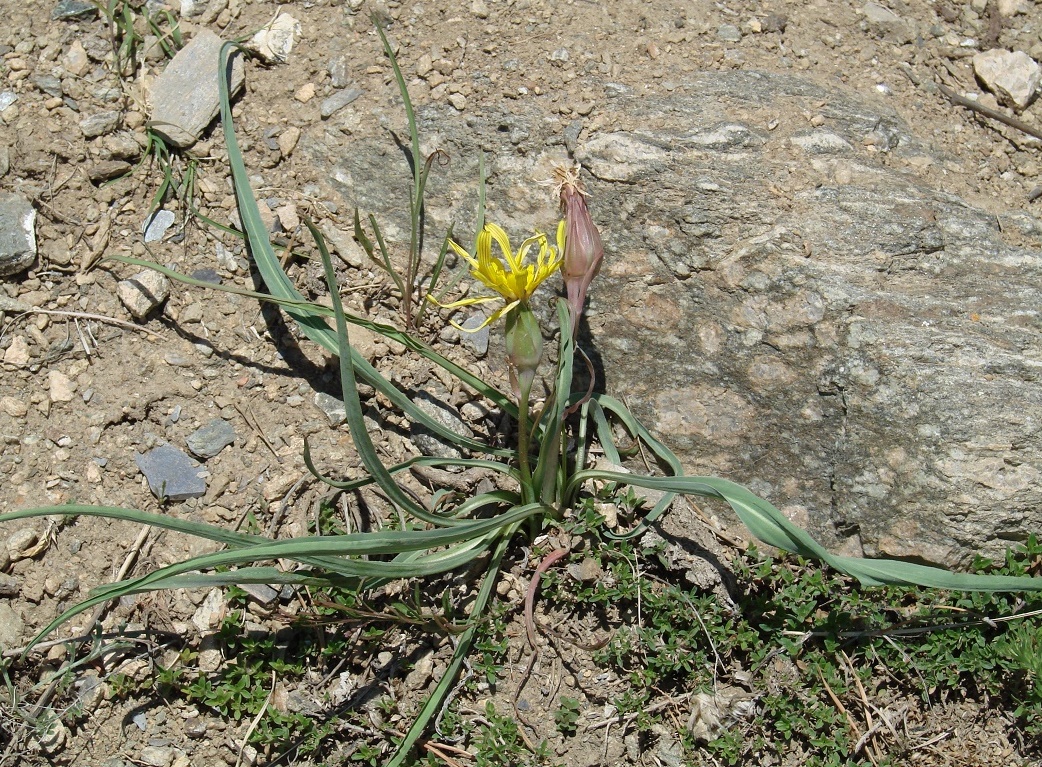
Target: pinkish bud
x,y
582,245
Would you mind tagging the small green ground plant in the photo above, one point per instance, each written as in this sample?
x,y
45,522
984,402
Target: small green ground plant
x,y
801,645
542,473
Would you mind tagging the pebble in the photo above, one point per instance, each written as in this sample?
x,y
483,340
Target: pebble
x,y
474,338
443,414
458,101
60,387
17,354
338,101
21,541
156,225
156,756
6,99
275,41
100,124
14,407
66,10
143,292
729,33
171,474
479,9
332,407
108,170
1013,77
305,93
9,585
17,234
338,73
49,84
186,96
288,140
211,439
263,593
75,60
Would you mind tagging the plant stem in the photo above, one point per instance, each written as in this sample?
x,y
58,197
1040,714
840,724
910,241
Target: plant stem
x,y
524,439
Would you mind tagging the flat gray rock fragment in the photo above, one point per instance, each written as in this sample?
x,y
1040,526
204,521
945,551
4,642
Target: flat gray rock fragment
x,y
157,224
67,10
332,407
186,97
211,439
17,234
338,101
171,473
100,123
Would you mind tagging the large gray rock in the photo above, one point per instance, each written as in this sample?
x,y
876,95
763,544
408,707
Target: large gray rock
x,y
17,234
186,97
779,304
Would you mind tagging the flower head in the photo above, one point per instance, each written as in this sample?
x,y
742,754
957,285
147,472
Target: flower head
x,y
578,240
512,275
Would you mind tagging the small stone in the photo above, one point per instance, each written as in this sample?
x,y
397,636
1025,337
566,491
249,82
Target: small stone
x,y
60,387
288,217
337,68
275,41
443,414
5,160
156,225
305,93
17,234
171,474
17,354
49,84
99,124
1013,77
75,60
20,542
479,9
288,140
344,244
474,338
67,10
207,275
9,585
729,33
143,292
156,756
186,97
211,612
338,101
263,593
15,408
6,99
332,407
775,22
458,101
211,439
108,170
886,24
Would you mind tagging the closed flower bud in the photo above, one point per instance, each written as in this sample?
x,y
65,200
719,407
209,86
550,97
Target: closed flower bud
x,y
524,344
579,241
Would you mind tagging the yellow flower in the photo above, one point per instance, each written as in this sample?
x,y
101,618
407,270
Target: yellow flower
x,y
510,276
